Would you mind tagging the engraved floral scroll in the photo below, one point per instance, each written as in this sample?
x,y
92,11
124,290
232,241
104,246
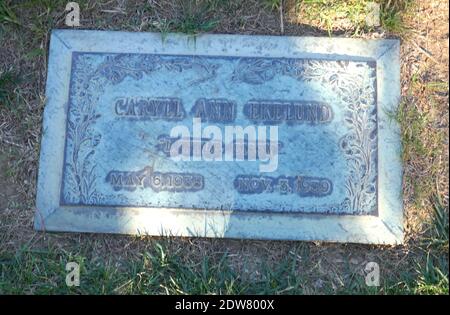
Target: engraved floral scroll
x,y
354,83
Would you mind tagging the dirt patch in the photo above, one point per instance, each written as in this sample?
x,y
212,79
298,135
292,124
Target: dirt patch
x,y
7,190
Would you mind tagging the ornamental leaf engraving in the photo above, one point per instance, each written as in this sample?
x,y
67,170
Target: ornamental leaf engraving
x,y
354,83
88,84
116,68
356,87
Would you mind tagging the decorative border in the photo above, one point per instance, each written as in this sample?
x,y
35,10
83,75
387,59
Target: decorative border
x,y
87,85
355,89
386,228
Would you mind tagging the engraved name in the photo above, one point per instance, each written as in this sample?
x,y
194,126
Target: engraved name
x,y
214,110
157,181
304,186
167,108
291,112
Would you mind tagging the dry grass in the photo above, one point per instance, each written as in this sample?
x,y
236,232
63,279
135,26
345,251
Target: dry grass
x,y
317,267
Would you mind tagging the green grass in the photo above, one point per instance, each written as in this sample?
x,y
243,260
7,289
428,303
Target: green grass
x,y
7,14
195,18
439,226
327,13
11,98
432,277
392,13
414,123
156,272
162,270
335,15
272,4
8,82
48,6
193,24
419,144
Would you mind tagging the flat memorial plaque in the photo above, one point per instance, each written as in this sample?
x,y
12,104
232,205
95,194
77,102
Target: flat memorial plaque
x,y
221,136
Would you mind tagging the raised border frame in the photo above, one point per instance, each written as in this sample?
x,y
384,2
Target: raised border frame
x,y
385,228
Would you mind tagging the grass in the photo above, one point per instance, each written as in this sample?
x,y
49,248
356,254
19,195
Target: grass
x,y
417,115
7,14
392,15
439,225
155,272
8,82
162,270
33,262
11,97
331,13
193,24
411,134
272,4
350,16
194,18
414,124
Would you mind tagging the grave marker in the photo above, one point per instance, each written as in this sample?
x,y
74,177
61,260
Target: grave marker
x,y
225,136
